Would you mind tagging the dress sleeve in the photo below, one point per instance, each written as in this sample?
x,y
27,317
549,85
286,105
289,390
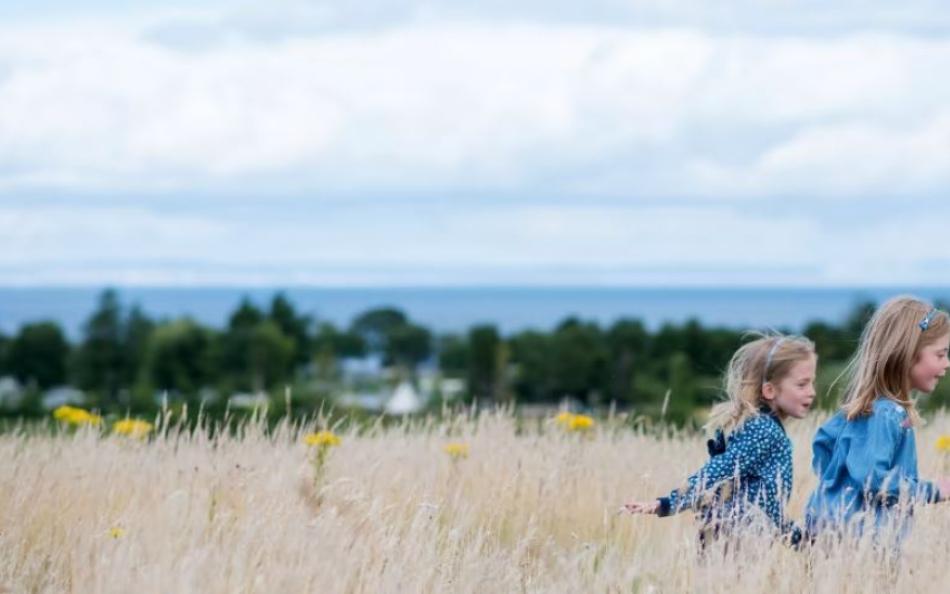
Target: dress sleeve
x,y
746,449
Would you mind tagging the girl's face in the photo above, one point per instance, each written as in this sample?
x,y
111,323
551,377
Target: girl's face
x,y
792,395
930,366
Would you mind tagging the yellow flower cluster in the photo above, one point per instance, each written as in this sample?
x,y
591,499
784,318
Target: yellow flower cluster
x,y
943,443
456,450
116,532
132,428
572,422
323,439
76,416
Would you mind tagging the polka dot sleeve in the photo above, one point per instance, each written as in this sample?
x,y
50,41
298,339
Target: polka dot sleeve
x,y
745,451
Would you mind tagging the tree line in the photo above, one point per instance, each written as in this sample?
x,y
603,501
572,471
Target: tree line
x,y
124,358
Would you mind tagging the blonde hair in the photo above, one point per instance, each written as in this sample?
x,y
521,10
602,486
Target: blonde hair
x,y
768,358
889,347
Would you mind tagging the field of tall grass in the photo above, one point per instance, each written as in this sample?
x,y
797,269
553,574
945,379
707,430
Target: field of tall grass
x,y
463,504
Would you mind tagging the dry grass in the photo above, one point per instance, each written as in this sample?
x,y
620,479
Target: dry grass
x,y
392,512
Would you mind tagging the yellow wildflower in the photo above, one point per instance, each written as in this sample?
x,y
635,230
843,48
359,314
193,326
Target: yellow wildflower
x,y
943,444
581,423
132,427
456,450
116,532
572,422
323,439
76,416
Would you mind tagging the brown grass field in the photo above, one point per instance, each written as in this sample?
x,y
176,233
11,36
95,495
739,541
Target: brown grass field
x,y
527,510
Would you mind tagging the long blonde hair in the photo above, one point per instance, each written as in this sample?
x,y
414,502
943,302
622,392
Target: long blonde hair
x,y
889,347
768,358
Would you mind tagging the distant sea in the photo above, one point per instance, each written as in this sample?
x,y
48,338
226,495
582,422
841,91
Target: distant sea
x,y
457,309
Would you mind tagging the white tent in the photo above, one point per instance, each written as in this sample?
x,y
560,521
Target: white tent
x,y
404,400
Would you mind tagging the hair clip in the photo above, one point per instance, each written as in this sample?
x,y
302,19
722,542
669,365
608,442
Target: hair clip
x,y
768,359
925,323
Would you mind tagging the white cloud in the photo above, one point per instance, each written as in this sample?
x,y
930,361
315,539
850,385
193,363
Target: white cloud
x,y
461,106
444,144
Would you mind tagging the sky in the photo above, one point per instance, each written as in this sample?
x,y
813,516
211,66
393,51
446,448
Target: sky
x,y
385,142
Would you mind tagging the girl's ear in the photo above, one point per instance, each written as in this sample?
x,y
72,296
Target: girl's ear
x,y
768,391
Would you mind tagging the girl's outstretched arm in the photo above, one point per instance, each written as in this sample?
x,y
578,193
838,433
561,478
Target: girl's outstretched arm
x,y
641,507
748,446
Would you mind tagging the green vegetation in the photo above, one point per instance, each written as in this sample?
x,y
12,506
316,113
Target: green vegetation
x,y
127,362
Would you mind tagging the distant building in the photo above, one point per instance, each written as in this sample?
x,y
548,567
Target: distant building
x,y
405,400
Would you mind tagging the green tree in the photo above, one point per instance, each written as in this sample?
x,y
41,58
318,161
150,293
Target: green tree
x,y
483,373
137,331
102,359
831,343
5,342
858,318
293,325
683,388
375,326
453,354
340,344
269,356
532,359
254,353
408,345
38,355
579,360
179,357
627,341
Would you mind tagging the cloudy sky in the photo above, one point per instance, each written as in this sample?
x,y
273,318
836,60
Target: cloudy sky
x,y
427,142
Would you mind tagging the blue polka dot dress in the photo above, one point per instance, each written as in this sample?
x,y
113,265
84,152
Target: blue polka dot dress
x,y
750,471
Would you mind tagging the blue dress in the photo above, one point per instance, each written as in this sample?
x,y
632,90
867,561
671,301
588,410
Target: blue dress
x,y
750,469
865,467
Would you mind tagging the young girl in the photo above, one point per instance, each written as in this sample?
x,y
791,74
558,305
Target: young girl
x,y
865,456
750,470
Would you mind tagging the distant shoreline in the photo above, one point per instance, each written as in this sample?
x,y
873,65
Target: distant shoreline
x,y
455,309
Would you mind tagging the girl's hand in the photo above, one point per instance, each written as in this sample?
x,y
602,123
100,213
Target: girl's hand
x,y
644,507
943,485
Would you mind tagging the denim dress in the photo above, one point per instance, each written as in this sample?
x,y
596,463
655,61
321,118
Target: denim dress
x,y
866,467
748,474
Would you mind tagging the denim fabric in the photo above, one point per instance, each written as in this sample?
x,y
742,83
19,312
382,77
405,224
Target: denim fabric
x,y
865,466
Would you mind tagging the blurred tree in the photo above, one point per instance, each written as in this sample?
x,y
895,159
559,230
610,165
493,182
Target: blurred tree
x,y
136,334
668,339
254,353
247,315
293,325
407,345
683,389
374,326
532,359
483,377
579,360
340,344
179,357
4,353
269,357
102,364
627,341
453,353
858,318
38,355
